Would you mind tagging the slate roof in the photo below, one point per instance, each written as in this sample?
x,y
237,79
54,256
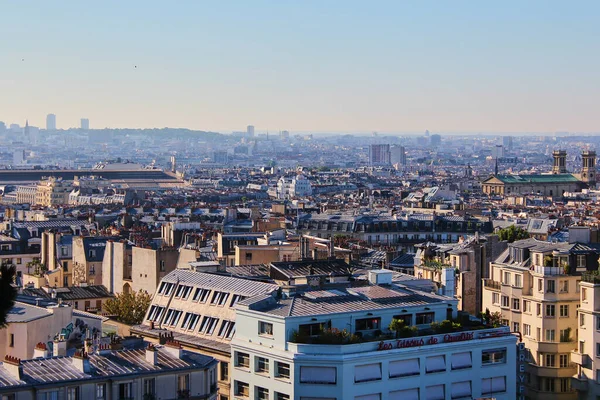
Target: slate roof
x,y
72,292
22,312
538,178
292,269
240,286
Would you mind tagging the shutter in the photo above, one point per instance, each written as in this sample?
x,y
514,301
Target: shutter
x,y
318,375
435,364
407,394
404,368
461,360
369,372
461,389
435,392
493,385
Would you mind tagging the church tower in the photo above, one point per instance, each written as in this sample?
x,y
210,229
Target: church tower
x,y
588,168
560,162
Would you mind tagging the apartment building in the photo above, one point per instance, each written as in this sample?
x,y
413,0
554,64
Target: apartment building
x,y
52,192
197,309
331,344
586,356
88,253
535,287
154,372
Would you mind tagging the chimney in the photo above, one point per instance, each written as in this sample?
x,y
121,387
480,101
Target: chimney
x,y
13,366
59,348
152,354
448,282
88,346
173,347
81,361
104,349
40,350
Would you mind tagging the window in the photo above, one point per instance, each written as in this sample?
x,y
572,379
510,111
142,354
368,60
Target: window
x,y
404,368
200,295
12,340
261,393
538,309
262,365
527,330
101,391
461,360
493,385
149,387
495,298
527,306
583,294
550,286
318,375
407,318
563,360
581,319
224,370
550,335
162,266
518,280
540,285
549,360
581,261
282,370
242,389
565,384
73,393
367,373
367,324
313,329
461,390
564,286
183,385
516,303
598,323
506,278
550,310
564,310
219,298
281,396
549,385
425,318
126,390
235,299
242,360
515,327
406,394
51,395
248,256
265,328
190,321
435,392
227,329
495,356
565,335
505,301
208,325
435,364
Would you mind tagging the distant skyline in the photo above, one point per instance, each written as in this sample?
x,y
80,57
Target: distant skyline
x,y
310,66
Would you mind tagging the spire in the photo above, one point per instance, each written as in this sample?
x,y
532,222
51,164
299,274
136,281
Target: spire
x,y
496,169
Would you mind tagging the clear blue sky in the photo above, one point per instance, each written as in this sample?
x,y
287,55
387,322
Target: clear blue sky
x,y
303,65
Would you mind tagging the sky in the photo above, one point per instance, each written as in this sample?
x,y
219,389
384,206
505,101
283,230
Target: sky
x,y
303,66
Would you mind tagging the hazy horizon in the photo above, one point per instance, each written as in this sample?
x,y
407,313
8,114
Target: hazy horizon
x,y
335,67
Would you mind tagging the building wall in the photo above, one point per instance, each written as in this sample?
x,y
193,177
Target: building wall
x,y
149,266
116,267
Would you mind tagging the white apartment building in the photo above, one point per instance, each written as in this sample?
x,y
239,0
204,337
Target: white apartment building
x,y
535,287
196,308
275,355
297,187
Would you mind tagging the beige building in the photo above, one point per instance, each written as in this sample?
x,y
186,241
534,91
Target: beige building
x,y
88,253
252,255
52,192
535,287
196,308
586,356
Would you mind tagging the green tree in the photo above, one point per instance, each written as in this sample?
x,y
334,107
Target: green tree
x,y
512,233
8,293
129,308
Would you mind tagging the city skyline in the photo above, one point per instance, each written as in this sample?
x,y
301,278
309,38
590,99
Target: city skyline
x,y
316,67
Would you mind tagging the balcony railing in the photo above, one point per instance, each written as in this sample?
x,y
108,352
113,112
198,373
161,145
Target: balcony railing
x,y
492,284
591,277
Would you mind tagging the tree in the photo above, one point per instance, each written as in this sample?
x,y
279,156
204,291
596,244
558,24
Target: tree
x,y
513,233
129,308
8,293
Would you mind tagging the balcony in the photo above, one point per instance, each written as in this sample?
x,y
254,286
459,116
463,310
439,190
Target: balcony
x,y
493,285
579,383
552,372
542,270
581,359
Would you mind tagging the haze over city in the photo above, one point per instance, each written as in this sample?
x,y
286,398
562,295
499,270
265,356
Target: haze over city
x,y
306,66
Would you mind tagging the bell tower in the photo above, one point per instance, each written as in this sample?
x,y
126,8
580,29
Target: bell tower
x,y
560,162
588,167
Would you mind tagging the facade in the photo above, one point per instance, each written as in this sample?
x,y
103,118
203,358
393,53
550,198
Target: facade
x,y
197,309
398,155
277,352
88,253
51,122
296,187
52,192
85,124
534,285
82,298
156,372
379,154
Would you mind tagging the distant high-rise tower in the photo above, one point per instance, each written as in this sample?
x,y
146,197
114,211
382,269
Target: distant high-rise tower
x,y
85,124
398,155
560,162
435,140
173,164
507,142
588,167
51,122
379,154
250,130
